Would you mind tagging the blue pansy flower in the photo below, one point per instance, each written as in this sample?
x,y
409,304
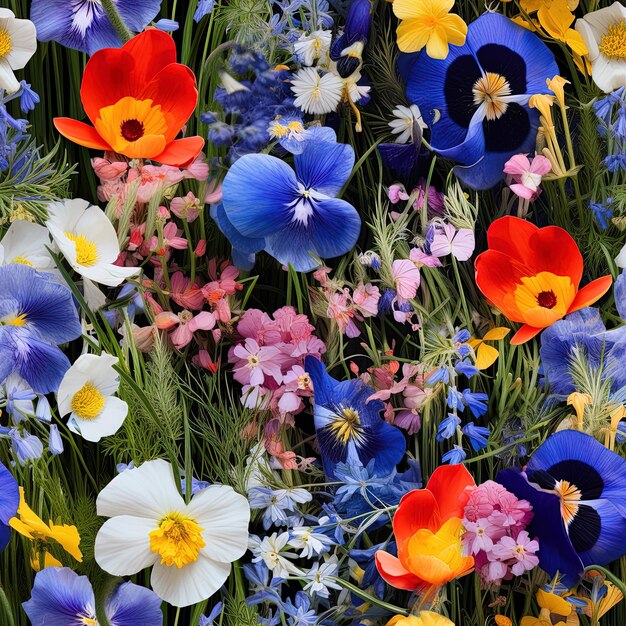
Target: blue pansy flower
x,y
577,489
60,597
481,90
9,501
83,24
349,428
295,214
36,315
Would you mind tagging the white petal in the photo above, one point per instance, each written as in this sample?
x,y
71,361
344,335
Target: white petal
x,y
620,260
94,298
189,584
108,422
6,14
123,545
146,491
8,82
102,374
28,240
23,43
94,225
107,274
586,32
608,74
224,514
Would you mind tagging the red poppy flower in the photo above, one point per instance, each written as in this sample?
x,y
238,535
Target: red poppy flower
x,y
428,531
532,275
138,99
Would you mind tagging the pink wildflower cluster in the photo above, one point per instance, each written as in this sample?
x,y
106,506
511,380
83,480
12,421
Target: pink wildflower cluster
x,y
495,522
524,175
269,362
347,307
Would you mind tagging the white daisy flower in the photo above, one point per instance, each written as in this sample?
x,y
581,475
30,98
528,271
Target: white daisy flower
x,y
87,393
311,48
25,242
316,93
321,578
270,550
604,34
406,118
18,42
310,543
88,241
189,546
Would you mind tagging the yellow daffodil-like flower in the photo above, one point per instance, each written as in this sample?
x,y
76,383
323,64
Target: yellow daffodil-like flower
x,y
28,524
487,355
425,618
429,24
579,401
556,85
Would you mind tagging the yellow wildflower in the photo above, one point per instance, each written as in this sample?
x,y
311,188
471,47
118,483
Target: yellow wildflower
x,y
487,355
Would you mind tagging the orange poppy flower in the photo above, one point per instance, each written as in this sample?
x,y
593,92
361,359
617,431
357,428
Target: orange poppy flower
x,y
138,99
428,531
532,275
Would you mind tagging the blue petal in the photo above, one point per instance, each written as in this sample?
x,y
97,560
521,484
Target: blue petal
x,y
248,245
257,193
59,597
324,166
556,553
40,364
293,245
386,445
9,495
133,605
5,536
619,292
136,14
335,226
323,383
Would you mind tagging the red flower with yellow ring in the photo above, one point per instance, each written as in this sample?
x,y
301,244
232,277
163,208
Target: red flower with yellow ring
x,y
532,275
138,99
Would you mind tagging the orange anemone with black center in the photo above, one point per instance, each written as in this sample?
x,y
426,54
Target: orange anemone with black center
x,y
533,274
138,100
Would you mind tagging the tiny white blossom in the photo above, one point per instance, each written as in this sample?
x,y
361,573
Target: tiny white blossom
x,y
313,47
316,93
321,577
404,122
269,550
309,542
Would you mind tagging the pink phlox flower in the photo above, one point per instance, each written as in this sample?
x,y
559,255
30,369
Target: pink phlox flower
x,y
519,552
526,175
187,207
257,362
185,325
480,535
153,178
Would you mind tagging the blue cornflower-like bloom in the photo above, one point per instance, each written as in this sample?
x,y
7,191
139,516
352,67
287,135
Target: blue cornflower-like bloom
x,y
465,366
9,501
448,427
455,399
300,611
577,489
604,107
349,428
209,620
36,315
295,214
619,294
602,212
28,97
583,332
475,401
454,456
615,162
360,480
442,375
60,596
83,24
263,590
478,435
204,8
482,90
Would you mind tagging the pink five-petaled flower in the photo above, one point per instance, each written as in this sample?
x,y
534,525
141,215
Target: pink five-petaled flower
x,y
187,208
526,174
256,362
520,552
186,325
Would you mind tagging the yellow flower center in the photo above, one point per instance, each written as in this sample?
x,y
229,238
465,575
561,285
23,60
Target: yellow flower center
x,y
570,497
280,130
22,261
5,43
86,251
13,319
89,621
544,298
87,402
489,91
178,540
347,426
295,126
613,44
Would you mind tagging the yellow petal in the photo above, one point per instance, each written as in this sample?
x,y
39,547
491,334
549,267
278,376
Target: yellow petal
x,y
412,36
437,46
575,41
497,333
456,29
68,537
48,561
486,356
553,603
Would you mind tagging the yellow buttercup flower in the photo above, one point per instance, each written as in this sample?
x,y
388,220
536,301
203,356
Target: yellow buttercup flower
x,y
487,355
429,24
30,525
425,618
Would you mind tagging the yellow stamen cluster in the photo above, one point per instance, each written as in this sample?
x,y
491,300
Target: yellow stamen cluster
x,y
87,402
346,426
22,260
16,319
570,497
86,251
613,44
5,43
490,90
178,540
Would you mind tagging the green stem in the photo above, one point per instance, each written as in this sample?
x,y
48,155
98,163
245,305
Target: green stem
x,y
6,608
116,20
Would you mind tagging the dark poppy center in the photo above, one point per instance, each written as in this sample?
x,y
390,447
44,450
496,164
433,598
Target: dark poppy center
x,y
132,130
546,299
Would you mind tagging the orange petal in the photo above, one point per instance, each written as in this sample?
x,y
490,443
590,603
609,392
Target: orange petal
x,y
174,88
181,152
80,133
510,235
418,509
392,572
590,293
449,484
524,334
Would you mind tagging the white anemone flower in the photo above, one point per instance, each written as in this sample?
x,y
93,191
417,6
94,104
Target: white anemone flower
x,y
87,393
88,241
312,47
405,119
604,34
316,93
18,42
190,547
25,242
